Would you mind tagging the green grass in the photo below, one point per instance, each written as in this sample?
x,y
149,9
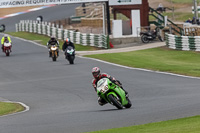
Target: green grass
x,y
158,59
184,125
42,39
178,16
9,108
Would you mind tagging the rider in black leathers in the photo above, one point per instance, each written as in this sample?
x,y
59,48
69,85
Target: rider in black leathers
x,y
67,43
52,41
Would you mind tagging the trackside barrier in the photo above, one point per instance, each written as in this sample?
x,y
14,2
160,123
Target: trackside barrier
x,y
183,42
96,40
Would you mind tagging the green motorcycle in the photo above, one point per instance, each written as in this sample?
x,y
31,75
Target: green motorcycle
x,y
112,94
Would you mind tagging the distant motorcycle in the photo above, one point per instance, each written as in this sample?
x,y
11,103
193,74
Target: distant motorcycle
x,y
150,36
2,28
54,52
7,48
70,54
112,94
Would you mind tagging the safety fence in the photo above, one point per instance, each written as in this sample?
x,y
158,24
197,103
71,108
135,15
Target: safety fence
x,y
44,28
183,42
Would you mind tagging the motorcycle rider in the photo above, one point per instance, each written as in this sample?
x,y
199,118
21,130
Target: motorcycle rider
x,y
67,43
97,76
51,42
5,38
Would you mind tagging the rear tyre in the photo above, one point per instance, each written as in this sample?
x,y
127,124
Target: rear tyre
x,y
145,39
115,101
129,103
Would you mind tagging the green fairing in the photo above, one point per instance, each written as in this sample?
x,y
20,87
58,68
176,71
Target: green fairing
x,y
114,89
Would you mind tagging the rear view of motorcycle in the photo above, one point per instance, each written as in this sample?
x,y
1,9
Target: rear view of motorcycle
x,y
7,48
70,54
54,52
148,36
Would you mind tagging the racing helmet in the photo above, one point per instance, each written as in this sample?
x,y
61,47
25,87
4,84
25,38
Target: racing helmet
x,y
5,36
67,40
53,38
95,72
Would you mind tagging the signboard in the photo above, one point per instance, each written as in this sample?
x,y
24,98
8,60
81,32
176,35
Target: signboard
x,y
124,2
20,3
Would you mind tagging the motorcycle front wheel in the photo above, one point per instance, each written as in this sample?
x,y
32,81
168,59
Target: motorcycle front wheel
x,y
7,53
145,39
54,58
115,101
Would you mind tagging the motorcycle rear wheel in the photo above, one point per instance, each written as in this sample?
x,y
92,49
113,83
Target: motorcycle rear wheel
x,y
115,101
145,39
129,103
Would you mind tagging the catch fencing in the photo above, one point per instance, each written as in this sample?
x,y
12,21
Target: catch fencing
x,y
183,42
44,28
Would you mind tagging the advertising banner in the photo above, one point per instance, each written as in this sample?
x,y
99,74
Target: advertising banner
x,y
20,3
124,2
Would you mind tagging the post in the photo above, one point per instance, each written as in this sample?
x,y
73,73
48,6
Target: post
x,y
104,25
195,11
108,18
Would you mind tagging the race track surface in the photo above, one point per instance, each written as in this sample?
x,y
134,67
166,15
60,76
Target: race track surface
x,y
61,97
49,14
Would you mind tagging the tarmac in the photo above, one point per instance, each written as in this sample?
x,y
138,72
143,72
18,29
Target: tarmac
x,y
125,49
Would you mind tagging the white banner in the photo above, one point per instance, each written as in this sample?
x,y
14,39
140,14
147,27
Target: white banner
x,y
124,2
20,3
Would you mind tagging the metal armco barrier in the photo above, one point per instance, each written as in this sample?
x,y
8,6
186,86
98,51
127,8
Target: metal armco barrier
x,y
44,28
183,42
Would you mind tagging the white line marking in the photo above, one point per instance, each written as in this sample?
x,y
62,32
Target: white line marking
x,y
27,108
140,69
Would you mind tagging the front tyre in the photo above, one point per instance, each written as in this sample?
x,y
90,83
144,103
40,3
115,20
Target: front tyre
x,y
54,58
115,101
7,53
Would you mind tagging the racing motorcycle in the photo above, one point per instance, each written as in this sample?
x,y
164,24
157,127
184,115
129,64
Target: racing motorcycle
x,y
112,94
54,52
150,36
70,54
7,48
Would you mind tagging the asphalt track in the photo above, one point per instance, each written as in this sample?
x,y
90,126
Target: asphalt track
x,y
49,14
62,100
61,97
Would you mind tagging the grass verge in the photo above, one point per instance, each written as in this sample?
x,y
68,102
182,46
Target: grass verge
x,y
157,59
9,108
178,16
42,39
183,125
